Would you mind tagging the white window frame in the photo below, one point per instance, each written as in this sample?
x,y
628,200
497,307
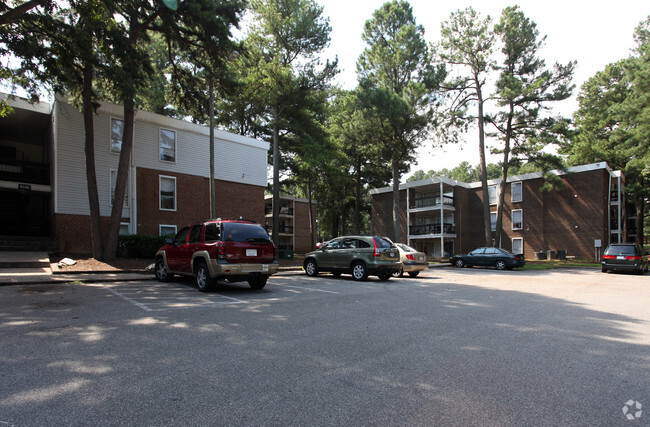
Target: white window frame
x,y
111,189
513,245
496,195
493,224
128,228
160,227
521,225
160,199
160,147
521,191
110,144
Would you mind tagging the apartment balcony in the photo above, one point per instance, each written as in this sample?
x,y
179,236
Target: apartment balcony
x,y
429,229
431,202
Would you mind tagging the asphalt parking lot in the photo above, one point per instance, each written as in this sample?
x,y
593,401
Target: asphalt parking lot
x,y
453,347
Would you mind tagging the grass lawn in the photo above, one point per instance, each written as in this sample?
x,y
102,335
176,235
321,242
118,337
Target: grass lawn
x,y
556,263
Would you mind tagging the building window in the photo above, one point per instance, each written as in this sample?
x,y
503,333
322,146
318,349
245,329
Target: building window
x,y
516,191
126,190
493,220
124,229
117,131
167,145
167,193
492,194
517,219
517,245
167,230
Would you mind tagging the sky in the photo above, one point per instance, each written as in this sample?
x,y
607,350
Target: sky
x,y
594,33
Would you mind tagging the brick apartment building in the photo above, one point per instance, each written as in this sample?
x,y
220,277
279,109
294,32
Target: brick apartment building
x,y
295,234
441,216
43,175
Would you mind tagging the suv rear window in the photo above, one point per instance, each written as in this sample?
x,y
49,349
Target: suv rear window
x,y
242,232
383,243
622,250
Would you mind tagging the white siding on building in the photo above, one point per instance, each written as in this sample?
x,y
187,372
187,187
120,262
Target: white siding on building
x,y
70,163
237,158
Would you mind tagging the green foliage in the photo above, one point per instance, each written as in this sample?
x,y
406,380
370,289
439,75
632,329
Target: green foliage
x,y
463,172
140,246
613,121
397,87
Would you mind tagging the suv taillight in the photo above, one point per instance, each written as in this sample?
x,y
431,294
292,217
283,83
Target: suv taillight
x,y
221,250
633,258
609,256
376,251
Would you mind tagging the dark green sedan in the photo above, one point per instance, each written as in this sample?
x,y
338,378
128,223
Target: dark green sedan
x,y
360,256
488,257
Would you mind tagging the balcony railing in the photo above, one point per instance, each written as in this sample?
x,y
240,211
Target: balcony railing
x,y
425,202
283,229
416,230
283,210
29,172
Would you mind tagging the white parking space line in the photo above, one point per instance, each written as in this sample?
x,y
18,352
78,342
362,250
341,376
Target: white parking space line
x,y
305,288
169,297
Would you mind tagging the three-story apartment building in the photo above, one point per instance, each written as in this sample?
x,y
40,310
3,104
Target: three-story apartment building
x,y
43,166
441,216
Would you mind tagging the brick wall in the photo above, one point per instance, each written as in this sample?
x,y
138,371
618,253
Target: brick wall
x,y
233,200
303,241
73,233
192,204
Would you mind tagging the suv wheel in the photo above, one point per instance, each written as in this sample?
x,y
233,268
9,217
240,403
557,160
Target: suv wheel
x,y
359,271
202,277
398,273
161,272
258,282
311,268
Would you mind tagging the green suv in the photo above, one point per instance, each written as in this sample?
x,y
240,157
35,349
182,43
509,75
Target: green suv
x,y
360,256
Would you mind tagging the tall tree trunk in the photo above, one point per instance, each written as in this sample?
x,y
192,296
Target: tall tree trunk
x,y
276,176
481,146
122,176
504,177
312,224
357,202
91,174
396,217
213,206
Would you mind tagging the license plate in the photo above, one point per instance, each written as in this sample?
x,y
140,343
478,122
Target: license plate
x,y
251,252
620,257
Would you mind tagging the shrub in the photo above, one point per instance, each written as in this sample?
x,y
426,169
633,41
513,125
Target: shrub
x,y
139,246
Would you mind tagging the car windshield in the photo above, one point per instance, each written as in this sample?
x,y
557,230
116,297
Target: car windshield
x,y
243,232
621,250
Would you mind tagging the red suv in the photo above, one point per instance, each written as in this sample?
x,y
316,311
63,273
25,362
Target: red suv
x,y
232,250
